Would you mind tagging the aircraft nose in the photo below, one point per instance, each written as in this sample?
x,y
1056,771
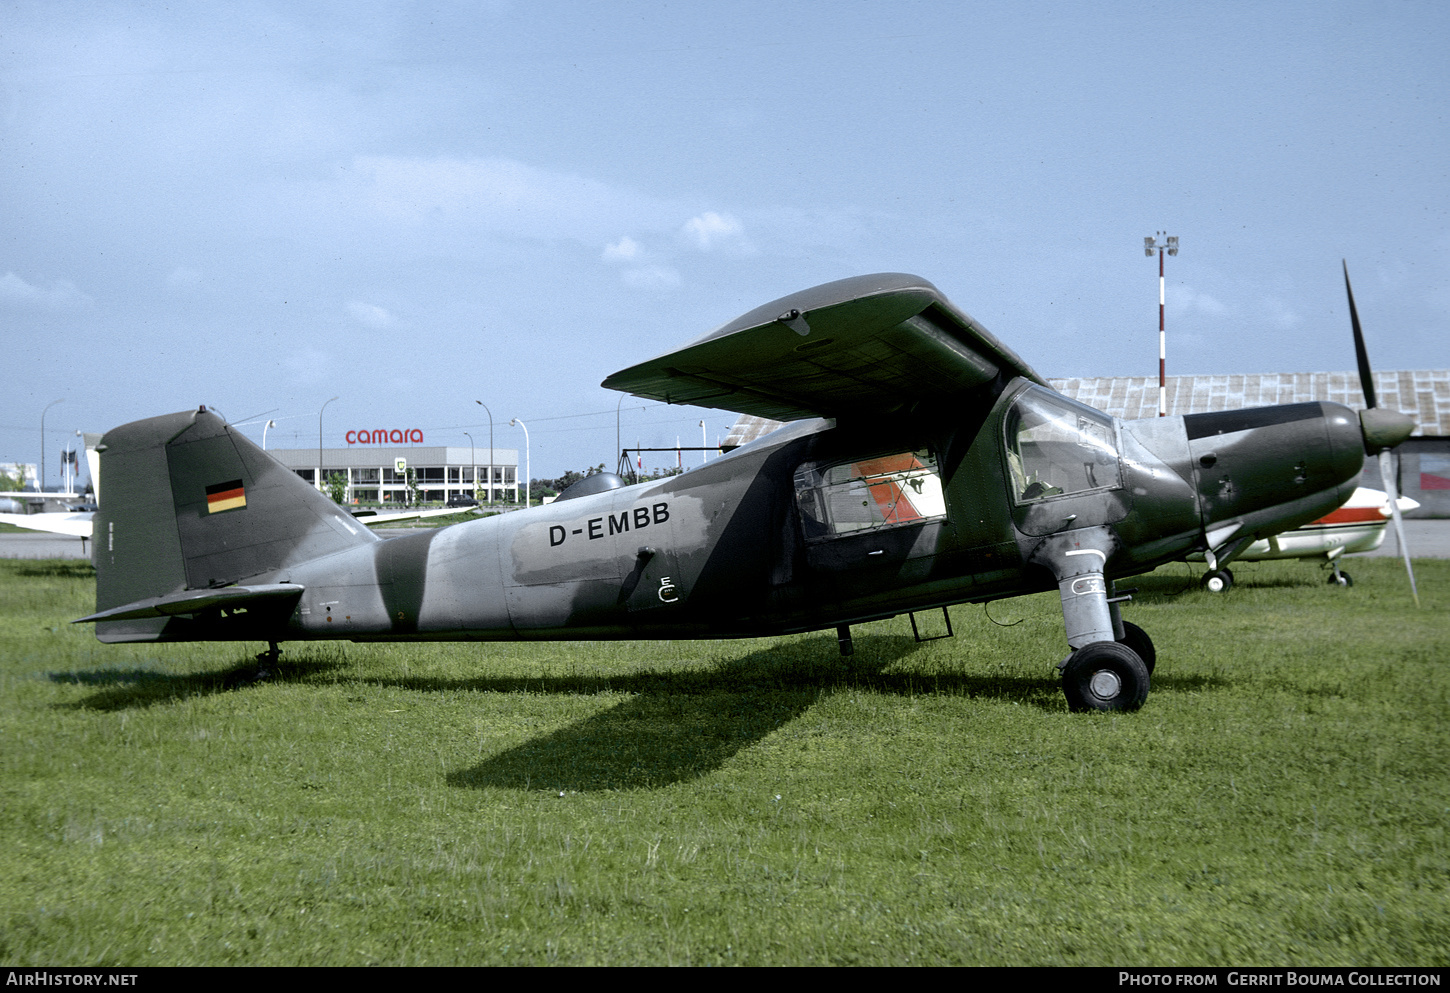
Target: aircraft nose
x,y
1384,429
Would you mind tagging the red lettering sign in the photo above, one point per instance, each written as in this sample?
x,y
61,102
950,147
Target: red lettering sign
x,y
385,436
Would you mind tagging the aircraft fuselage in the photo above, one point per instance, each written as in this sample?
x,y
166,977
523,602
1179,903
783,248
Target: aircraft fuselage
x,y
723,550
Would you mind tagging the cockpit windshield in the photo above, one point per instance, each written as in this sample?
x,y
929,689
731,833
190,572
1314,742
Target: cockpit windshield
x,y
1056,447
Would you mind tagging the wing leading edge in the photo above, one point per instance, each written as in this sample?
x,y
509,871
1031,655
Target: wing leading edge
x,y
874,344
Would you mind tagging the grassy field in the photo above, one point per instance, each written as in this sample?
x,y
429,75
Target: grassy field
x,y
1282,798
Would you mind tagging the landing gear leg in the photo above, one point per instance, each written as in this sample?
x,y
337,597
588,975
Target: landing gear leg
x,y
1338,578
267,661
1103,672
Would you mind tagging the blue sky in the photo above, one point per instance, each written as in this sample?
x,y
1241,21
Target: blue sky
x,y
259,206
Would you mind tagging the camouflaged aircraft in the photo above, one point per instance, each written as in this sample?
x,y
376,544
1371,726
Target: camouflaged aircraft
x,y
927,465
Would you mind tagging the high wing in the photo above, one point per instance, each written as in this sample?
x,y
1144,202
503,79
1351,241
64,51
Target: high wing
x,y
878,344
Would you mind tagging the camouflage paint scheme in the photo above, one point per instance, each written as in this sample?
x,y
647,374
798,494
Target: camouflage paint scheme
x,y
873,366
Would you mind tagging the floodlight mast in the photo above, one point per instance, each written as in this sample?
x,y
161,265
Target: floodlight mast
x,y
1169,244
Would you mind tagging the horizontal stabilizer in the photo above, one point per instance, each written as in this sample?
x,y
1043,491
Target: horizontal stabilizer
x,y
192,601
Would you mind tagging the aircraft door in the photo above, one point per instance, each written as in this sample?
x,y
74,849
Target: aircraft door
x,y
1063,465
870,516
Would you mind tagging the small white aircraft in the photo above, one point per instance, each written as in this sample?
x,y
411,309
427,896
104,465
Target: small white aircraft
x,y
79,523
1357,526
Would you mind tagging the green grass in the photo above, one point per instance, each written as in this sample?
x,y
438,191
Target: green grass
x,y
1281,799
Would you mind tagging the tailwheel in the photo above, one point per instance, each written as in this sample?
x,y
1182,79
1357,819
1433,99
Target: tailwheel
x,y
1217,581
1105,675
267,661
1137,639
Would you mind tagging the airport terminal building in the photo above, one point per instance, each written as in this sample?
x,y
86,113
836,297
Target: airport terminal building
x,y
379,474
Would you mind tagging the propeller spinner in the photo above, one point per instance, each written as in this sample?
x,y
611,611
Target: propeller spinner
x,y
1383,430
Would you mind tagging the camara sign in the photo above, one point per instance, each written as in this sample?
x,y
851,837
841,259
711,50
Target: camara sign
x,y
385,436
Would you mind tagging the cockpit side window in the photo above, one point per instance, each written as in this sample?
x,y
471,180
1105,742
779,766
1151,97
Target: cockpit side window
x,y
865,495
1057,448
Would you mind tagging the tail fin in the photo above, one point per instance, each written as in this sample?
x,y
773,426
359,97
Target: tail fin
x,y
192,504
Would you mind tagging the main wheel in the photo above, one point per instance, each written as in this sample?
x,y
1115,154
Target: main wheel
x,y
1340,579
1105,675
1217,581
1137,639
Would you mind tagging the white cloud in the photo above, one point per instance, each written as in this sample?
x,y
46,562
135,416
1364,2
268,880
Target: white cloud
x,y
711,230
626,249
370,315
651,277
61,295
1183,299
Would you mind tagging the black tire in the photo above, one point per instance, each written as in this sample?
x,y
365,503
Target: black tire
x,y
1137,639
1217,581
1105,675
1340,580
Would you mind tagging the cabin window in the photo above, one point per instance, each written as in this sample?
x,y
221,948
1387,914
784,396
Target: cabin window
x,y
1056,447
869,494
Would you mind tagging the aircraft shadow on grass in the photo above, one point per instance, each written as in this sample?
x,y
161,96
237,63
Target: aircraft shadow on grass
x,y
676,726
124,689
51,569
681,726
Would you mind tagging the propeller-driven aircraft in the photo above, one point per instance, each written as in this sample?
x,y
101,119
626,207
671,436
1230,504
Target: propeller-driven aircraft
x,y
927,465
1358,526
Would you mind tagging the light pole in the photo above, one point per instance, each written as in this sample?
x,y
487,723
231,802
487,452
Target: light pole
x,y
40,483
704,451
490,447
269,424
528,465
472,466
1169,244
319,446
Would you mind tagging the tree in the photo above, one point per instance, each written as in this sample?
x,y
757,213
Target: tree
x,y
337,486
553,487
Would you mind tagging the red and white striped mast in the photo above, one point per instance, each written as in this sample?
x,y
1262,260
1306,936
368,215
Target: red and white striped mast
x,y
1170,244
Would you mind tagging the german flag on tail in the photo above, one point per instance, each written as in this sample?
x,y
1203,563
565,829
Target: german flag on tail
x,y
231,495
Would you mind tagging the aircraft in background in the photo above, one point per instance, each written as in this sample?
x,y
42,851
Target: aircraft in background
x,y
79,523
1357,526
928,466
